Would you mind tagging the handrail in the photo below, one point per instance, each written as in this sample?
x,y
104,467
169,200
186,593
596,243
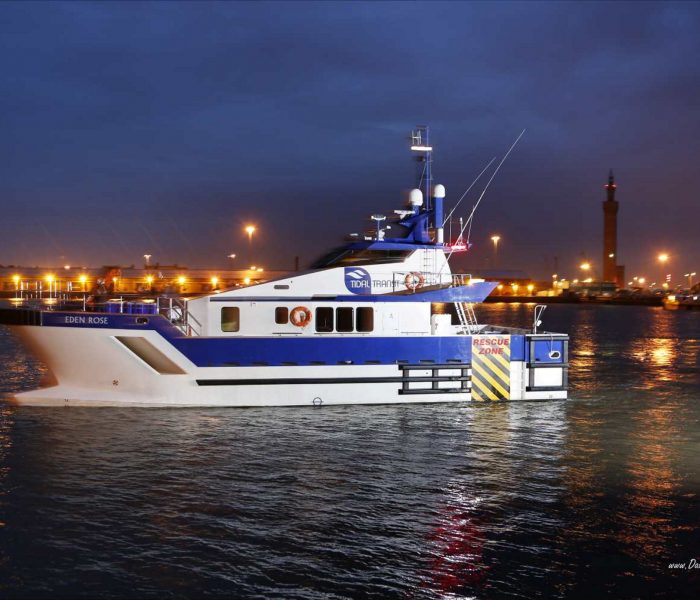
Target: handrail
x,y
426,279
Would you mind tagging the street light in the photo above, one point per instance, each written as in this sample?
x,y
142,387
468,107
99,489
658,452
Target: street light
x,y
663,259
83,281
50,279
690,278
232,257
147,258
250,230
495,239
585,266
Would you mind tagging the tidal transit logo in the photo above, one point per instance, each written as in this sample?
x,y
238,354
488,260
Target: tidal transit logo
x,y
358,281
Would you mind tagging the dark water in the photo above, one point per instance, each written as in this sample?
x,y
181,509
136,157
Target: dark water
x,y
586,498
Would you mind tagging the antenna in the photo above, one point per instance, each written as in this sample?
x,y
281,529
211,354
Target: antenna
x,y
467,191
420,143
486,187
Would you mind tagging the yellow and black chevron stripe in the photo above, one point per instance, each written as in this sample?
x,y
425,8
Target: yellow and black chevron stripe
x,y
491,367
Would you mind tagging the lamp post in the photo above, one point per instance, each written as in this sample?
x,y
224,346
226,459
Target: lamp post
x,y
147,259
50,280
690,278
250,230
663,259
495,239
587,269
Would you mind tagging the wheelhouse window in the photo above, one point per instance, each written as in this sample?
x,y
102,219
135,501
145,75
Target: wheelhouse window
x,y
230,319
324,320
360,256
343,319
364,319
281,315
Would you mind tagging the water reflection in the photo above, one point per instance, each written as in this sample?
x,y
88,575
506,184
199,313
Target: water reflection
x,y
649,504
584,498
18,370
479,516
464,516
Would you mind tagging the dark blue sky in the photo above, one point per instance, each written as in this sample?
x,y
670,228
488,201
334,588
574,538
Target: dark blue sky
x,y
134,127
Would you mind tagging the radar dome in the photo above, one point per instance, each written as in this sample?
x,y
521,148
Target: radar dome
x,y
439,191
415,197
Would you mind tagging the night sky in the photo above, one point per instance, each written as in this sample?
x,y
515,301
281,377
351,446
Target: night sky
x,y
164,128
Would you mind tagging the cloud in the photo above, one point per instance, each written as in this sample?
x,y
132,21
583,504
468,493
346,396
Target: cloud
x,y
207,111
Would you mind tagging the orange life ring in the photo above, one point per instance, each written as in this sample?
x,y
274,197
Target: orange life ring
x,y
414,280
300,316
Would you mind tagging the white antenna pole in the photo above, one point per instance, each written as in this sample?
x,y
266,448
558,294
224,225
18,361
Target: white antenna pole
x,y
488,183
467,190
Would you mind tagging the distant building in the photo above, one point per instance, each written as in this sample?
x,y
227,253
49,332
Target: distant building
x,y
612,272
42,282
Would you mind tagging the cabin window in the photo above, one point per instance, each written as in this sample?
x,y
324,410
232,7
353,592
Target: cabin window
x,y
230,318
343,319
281,315
364,319
324,320
347,256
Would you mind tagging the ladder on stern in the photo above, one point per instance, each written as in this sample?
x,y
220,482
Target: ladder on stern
x,y
467,317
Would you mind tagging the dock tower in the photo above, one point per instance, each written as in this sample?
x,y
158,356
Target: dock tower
x,y
611,270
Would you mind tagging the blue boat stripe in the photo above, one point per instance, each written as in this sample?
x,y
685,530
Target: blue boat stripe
x,y
283,351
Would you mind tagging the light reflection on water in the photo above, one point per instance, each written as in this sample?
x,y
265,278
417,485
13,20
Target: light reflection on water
x,y
581,498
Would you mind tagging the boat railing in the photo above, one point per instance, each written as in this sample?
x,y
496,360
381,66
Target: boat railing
x,y
177,312
413,280
172,308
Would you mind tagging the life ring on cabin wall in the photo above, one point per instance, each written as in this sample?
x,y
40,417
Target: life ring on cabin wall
x,y
414,280
300,316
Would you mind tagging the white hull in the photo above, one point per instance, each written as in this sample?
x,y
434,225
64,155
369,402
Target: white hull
x,y
89,367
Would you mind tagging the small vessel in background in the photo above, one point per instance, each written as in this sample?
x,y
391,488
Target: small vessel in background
x,y
363,326
688,300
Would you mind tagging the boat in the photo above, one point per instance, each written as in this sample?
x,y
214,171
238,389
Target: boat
x,y
366,324
688,300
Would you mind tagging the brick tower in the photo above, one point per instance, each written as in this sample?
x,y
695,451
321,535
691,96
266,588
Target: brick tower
x,y
611,272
